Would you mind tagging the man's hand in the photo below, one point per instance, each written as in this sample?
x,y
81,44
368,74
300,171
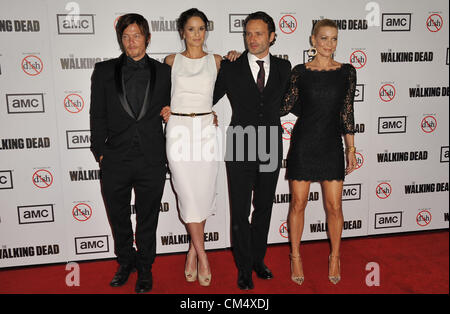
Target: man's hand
x,y
165,113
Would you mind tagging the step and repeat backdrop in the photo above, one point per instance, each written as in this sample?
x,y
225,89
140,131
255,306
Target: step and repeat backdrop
x,y
51,208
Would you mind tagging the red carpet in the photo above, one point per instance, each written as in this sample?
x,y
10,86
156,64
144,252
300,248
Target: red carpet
x,y
409,263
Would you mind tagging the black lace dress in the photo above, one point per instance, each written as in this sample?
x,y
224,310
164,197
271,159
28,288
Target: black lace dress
x,y
323,103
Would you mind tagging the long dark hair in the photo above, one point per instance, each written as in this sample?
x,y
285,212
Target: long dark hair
x,y
128,19
186,15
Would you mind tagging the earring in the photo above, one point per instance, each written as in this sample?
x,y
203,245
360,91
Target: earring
x,y
312,52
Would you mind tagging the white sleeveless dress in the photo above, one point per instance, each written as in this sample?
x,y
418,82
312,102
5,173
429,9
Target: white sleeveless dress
x,y
192,142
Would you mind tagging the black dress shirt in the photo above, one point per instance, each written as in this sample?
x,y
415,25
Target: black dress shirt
x,y
136,75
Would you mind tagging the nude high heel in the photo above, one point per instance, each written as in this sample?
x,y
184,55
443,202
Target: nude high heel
x,y
297,279
334,279
204,281
190,276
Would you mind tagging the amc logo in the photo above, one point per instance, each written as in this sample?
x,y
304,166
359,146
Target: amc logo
x,y
91,245
351,192
25,103
35,214
6,181
388,125
75,24
388,220
396,22
236,22
359,93
444,154
77,139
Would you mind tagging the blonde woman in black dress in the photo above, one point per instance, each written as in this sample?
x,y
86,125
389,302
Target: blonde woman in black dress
x,y
321,95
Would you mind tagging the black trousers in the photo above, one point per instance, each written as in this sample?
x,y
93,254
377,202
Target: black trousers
x,y
249,238
118,178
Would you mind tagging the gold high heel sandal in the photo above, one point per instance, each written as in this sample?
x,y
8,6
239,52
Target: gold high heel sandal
x,y
297,279
334,279
190,276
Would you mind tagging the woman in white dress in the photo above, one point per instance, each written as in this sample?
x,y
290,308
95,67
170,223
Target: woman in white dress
x,y
191,139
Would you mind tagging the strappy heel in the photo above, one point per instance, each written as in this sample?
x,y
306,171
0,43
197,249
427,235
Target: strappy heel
x,y
297,279
334,279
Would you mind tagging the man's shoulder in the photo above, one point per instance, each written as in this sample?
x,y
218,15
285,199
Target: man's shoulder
x,y
160,65
105,67
227,65
107,63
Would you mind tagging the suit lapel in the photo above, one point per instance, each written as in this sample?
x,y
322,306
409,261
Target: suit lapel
x,y
120,87
150,88
247,74
273,75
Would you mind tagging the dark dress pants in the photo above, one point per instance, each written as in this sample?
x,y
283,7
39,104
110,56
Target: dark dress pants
x,y
118,178
249,238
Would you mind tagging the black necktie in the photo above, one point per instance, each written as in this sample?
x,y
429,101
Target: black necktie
x,y
261,76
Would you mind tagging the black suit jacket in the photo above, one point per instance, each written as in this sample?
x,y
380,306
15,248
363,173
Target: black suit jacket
x,y
113,124
249,106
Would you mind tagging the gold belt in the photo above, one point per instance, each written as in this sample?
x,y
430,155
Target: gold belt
x,y
192,115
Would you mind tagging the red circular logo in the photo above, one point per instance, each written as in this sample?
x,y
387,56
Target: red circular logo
x,y
383,190
42,178
287,130
359,160
434,23
423,218
284,232
387,92
358,59
288,24
82,212
32,65
73,103
428,124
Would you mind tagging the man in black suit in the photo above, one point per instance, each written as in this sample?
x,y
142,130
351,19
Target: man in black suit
x,y
255,85
127,95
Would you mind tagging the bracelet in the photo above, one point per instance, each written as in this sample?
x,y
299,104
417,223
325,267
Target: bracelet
x,y
351,149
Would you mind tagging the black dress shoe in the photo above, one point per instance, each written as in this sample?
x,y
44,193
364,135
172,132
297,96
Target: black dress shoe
x,y
144,282
122,274
263,272
245,281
